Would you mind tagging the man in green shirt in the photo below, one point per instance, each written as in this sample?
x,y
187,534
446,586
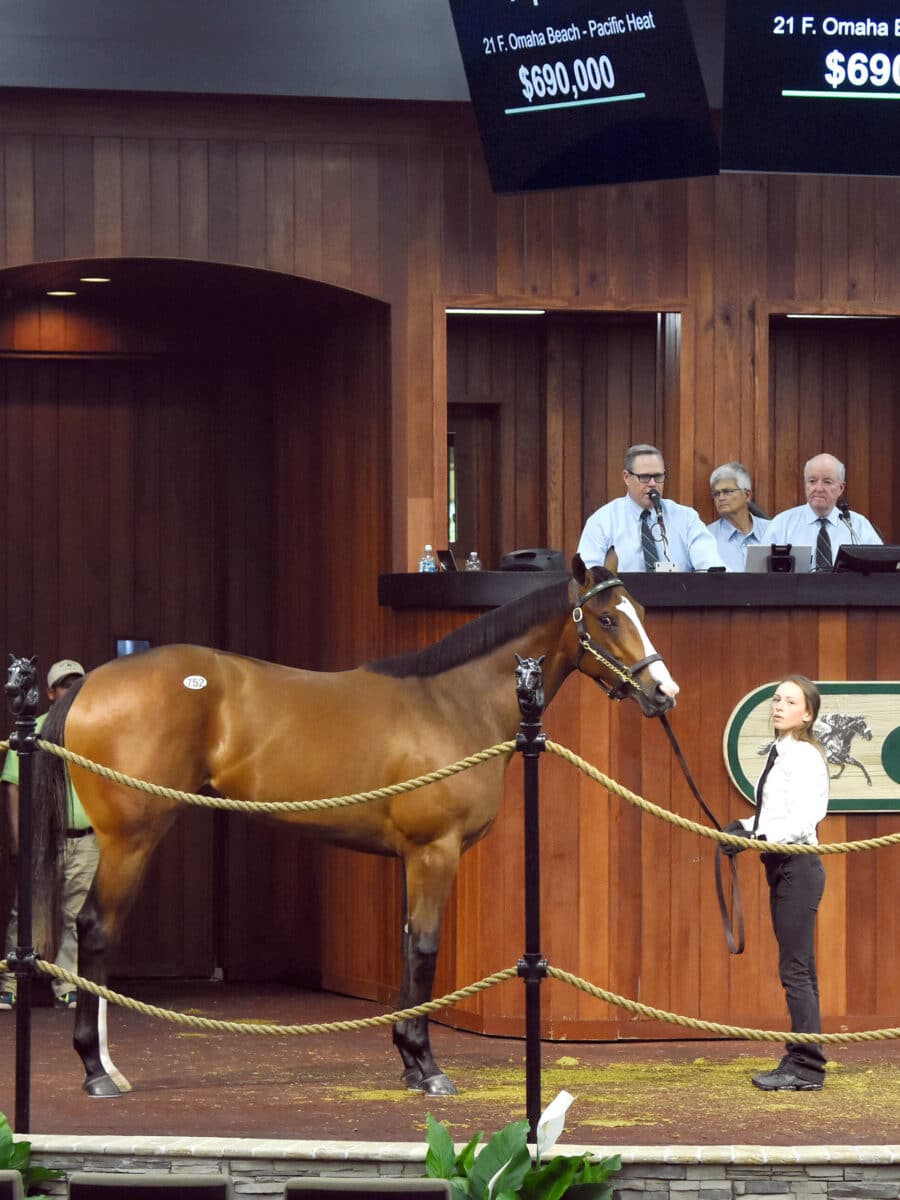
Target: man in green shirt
x,y
80,862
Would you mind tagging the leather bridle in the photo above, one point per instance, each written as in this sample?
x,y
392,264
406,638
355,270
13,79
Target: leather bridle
x,y
733,915
627,675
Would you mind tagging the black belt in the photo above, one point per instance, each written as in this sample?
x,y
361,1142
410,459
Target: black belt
x,y
77,833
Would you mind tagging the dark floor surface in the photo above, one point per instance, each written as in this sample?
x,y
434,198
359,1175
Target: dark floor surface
x,y
347,1086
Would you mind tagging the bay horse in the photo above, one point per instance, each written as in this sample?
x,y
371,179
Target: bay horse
x,y
187,717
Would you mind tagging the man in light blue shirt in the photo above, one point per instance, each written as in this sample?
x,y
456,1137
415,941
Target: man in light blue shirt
x,y
823,516
670,537
737,527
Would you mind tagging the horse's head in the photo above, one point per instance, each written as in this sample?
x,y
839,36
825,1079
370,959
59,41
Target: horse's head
x,y
612,645
21,685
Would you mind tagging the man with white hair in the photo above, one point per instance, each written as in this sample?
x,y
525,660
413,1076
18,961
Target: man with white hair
x,y
737,526
824,522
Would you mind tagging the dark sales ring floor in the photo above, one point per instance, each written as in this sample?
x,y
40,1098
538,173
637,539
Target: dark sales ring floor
x,y
347,1086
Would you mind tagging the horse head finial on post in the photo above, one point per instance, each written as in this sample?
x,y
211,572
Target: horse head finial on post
x,y
530,689
21,686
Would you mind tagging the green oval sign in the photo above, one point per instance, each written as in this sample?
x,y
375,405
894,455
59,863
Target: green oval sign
x,y
859,728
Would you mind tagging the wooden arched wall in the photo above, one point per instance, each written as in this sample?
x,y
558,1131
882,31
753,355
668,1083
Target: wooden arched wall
x,y
393,202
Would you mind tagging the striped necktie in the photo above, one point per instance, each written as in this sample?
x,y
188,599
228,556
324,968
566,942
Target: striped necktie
x,y
823,547
648,542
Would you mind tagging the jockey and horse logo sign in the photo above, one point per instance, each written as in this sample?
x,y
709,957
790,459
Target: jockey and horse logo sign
x,y
859,730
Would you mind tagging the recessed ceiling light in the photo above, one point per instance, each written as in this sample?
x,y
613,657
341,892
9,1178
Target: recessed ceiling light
x,y
61,293
94,279
495,312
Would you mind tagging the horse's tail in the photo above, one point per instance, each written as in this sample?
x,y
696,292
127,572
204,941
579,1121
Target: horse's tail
x,y
50,818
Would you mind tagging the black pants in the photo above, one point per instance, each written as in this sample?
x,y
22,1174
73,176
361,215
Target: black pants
x,y
796,883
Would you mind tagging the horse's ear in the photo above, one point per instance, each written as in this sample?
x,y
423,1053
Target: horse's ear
x,y
611,562
579,570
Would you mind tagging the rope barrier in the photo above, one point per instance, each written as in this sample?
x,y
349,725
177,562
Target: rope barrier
x,y
715,835
735,1032
263,806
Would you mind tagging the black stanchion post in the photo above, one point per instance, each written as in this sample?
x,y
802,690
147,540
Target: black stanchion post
x,y
22,696
532,967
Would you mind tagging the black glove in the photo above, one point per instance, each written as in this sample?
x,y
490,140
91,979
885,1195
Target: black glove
x,y
736,828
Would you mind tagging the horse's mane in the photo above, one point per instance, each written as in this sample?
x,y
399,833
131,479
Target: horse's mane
x,y
478,637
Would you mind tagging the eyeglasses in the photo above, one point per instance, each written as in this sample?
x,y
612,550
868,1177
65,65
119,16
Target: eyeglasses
x,y
659,478
725,492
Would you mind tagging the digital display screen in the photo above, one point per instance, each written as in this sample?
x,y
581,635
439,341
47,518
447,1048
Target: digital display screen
x,y
569,93
811,89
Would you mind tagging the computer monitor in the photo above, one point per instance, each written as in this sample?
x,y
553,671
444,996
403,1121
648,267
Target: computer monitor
x,y
130,646
866,559
788,559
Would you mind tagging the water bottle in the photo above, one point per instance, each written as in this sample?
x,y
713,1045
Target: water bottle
x,y
427,562
473,562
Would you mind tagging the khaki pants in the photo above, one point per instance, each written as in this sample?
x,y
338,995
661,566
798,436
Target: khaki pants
x,y
82,855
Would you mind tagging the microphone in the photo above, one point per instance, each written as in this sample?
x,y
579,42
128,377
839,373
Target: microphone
x,y
844,509
656,500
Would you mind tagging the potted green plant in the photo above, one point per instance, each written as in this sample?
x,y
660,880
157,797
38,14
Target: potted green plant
x,y
16,1156
504,1169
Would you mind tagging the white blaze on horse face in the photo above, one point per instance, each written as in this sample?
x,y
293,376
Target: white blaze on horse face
x,y
658,670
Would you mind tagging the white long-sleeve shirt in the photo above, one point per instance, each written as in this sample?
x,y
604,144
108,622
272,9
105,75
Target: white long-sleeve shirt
x,y
795,794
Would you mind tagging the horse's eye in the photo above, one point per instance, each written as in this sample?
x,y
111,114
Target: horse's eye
x,y
607,621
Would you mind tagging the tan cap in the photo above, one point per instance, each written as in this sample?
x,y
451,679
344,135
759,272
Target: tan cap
x,y
62,670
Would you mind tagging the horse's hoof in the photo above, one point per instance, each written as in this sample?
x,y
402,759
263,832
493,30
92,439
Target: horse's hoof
x,y
413,1077
103,1087
438,1085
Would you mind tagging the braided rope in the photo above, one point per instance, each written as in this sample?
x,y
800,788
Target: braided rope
x,y
732,1031
715,835
736,1032
274,1030
258,806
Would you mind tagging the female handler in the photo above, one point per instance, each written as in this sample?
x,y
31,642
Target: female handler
x,y
791,799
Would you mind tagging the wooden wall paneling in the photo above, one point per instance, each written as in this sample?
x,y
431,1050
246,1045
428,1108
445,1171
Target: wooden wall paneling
x,y
719,425
808,262
560,837
644,397
596,467
251,203
626,828
861,413
222,200
596,932
753,399
565,253
834,246
529,375
784,387
136,223
427,429
308,216
593,229
53,464
364,259
336,214
887,241
697,348
49,198
647,238
164,196
193,199
672,216
456,221
123,421
620,247
510,245
781,236
78,185
106,198
821,396
538,243
279,188
861,244
572,431
19,185
879,491
483,230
